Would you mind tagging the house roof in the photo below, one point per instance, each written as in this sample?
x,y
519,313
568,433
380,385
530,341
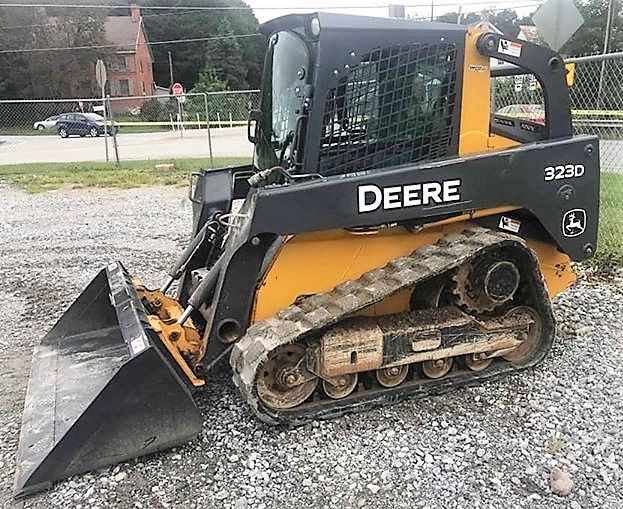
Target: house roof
x,y
487,26
122,31
528,33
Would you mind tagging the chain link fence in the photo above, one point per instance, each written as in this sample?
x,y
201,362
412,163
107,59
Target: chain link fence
x,y
596,95
145,127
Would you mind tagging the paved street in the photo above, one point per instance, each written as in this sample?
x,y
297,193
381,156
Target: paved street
x,y
230,142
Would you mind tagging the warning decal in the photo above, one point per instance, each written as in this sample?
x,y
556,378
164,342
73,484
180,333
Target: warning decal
x,y
511,48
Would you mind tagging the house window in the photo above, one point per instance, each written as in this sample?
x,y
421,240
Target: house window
x,y
124,87
118,63
143,87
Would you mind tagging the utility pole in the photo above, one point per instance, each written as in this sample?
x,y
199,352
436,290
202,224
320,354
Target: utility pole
x,y
170,70
611,10
432,10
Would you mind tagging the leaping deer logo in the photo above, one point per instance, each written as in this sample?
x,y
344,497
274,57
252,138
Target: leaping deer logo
x,y
574,223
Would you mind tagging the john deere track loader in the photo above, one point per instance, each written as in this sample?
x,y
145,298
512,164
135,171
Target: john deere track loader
x,y
392,238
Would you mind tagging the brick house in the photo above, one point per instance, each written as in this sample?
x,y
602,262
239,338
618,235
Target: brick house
x,y
130,70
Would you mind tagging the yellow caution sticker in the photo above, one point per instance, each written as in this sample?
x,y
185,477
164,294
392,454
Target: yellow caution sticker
x,y
570,74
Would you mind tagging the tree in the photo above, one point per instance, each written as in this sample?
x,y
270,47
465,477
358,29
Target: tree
x,y
61,73
208,82
452,17
237,61
589,39
13,65
505,20
224,57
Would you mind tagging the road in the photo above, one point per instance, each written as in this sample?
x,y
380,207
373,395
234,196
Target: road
x,y
226,142
230,142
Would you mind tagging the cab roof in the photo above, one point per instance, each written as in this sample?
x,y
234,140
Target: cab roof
x,y
330,21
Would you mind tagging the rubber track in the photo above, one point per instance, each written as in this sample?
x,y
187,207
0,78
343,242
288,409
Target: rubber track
x,y
320,311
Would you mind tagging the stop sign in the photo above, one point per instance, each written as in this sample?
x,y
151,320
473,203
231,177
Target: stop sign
x,y
177,89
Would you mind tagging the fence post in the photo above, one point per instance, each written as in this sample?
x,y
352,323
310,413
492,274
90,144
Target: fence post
x,y
105,122
114,130
180,118
205,103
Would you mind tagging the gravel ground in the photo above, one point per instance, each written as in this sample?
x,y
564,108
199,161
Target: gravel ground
x,y
490,446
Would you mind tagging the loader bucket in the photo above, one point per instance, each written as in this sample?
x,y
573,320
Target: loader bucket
x,y
102,389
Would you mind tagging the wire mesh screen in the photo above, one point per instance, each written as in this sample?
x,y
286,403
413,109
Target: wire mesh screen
x,y
396,106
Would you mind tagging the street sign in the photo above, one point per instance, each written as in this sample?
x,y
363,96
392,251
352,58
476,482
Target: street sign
x,y
177,89
557,21
100,73
101,77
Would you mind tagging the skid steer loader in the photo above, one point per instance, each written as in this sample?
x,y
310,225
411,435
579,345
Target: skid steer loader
x,y
392,238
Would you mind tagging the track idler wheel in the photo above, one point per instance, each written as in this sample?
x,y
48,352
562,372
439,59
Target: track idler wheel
x,y
284,381
525,352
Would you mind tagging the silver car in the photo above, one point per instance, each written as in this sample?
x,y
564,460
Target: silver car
x,y
48,123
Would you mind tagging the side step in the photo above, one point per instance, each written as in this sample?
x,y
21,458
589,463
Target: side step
x,y
102,389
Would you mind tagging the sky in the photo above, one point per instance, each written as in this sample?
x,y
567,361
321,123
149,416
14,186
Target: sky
x,y
415,8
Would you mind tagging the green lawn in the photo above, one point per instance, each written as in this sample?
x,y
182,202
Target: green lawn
x,y
610,243
38,177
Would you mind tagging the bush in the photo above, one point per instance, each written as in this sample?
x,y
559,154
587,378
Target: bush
x,y
154,111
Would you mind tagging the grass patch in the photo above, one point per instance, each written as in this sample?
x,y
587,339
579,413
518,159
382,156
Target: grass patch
x,y
37,177
126,129
610,243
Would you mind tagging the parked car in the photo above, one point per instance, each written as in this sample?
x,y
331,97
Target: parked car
x,y
533,112
48,123
81,124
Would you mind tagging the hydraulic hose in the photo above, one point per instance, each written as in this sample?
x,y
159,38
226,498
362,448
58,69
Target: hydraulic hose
x,y
203,291
204,238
